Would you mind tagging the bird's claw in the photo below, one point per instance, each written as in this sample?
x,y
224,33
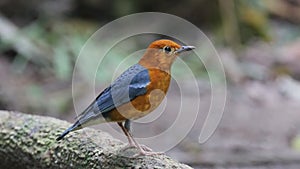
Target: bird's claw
x,y
145,148
129,146
147,153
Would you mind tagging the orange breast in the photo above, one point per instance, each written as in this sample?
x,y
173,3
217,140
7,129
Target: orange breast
x,y
144,104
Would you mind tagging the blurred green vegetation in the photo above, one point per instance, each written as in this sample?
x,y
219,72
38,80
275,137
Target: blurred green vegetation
x,y
40,40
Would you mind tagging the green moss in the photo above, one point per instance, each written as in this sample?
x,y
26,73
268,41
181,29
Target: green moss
x,y
28,141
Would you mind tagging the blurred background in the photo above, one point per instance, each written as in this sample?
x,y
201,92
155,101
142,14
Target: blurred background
x,y
258,41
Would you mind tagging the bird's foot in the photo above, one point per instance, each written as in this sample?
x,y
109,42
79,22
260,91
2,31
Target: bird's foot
x,y
145,148
147,153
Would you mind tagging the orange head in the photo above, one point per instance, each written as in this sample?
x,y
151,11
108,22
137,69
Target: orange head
x,y
161,54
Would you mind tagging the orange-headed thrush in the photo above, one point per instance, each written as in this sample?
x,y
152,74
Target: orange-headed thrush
x,y
132,95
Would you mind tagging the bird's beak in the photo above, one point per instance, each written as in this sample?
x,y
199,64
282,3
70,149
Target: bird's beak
x,y
184,48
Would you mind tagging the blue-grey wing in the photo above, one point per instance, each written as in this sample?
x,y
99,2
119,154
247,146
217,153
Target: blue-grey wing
x,y
129,85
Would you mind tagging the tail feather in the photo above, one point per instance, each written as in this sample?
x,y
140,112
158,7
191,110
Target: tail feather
x,y
73,127
63,135
87,118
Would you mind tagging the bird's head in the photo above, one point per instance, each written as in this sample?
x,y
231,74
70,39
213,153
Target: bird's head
x,y
161,54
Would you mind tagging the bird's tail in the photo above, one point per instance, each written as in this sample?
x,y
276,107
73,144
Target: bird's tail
x,y
75,126
87,118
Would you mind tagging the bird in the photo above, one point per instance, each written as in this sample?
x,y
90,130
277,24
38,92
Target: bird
x,y
133,94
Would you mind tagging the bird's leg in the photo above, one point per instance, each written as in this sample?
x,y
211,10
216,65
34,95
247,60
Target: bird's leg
x,y
131,144
136,144
144,150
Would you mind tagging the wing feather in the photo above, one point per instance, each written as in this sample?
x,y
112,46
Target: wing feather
x,y
129,85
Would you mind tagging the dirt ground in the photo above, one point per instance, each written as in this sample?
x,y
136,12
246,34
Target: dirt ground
x,y
259,128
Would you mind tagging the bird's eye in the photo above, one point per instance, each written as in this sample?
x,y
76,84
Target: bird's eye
x,y
167,49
